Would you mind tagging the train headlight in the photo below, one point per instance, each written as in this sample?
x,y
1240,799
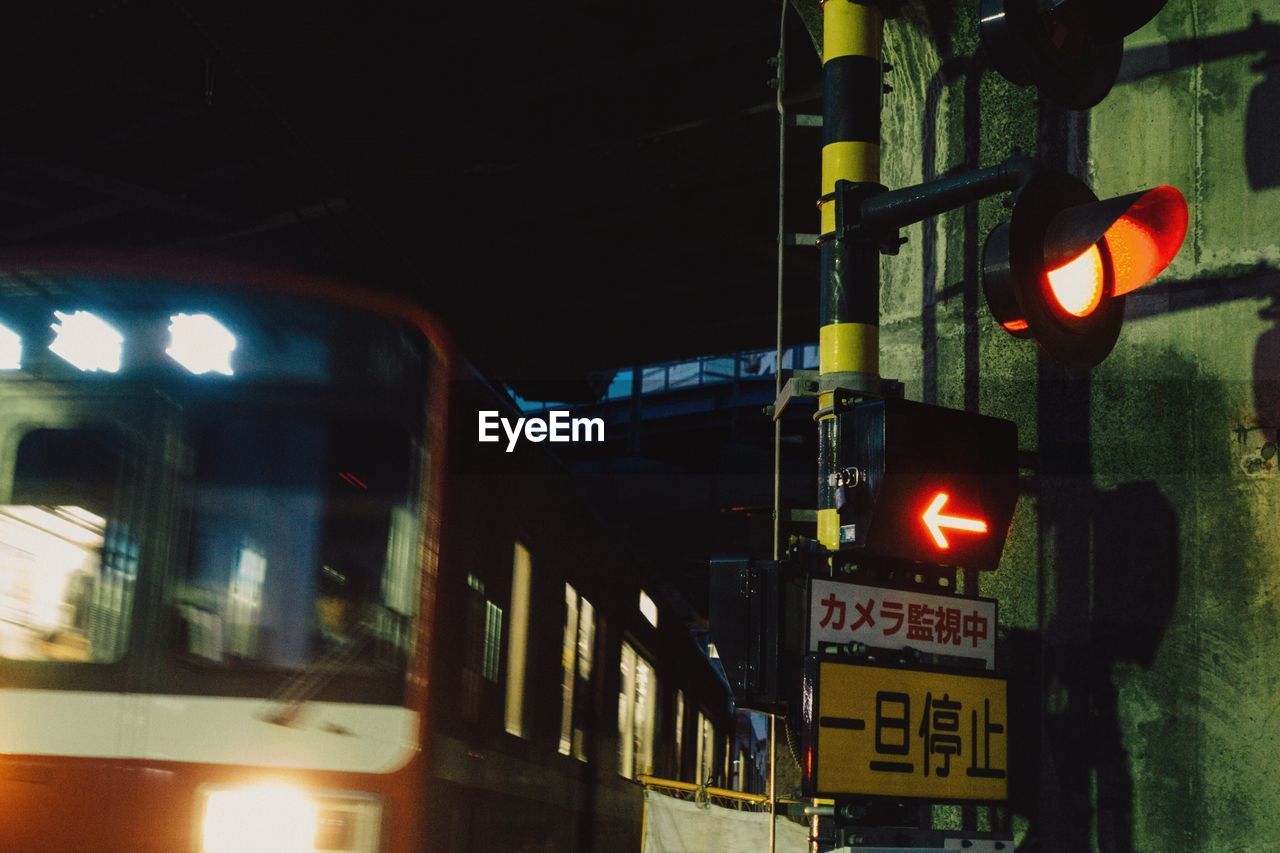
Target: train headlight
x,y
284,819
201,344
87,341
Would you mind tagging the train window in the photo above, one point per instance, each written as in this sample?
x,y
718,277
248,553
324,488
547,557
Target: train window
x,y
301,546
518,639
706,765
492,640
586,639
679,733
569,666
482,646
626,712
648,608
576,657
637,705
586,653
67,566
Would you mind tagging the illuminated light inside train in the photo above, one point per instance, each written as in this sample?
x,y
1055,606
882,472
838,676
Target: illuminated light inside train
x,y
47,549
10,350
201,344
260,819
87,342
1077,285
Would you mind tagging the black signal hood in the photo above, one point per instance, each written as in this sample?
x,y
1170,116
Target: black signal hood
x,y
1069,49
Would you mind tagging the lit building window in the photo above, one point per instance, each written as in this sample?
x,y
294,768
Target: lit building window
x,y
637,700
649,608
518,639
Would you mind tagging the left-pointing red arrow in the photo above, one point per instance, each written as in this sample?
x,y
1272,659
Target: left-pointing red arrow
x,y
935,521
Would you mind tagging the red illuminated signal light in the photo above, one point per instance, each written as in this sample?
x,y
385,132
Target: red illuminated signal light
x,y
1140,245
935,521
1058,270
1147,238
1078,284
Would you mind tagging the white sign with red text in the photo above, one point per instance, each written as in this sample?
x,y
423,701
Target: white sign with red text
x,y
842,613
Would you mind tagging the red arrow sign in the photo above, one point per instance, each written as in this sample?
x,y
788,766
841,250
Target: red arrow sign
x,y
935,521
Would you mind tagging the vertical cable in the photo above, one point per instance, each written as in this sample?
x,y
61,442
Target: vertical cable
x,y
773,783
777,388
782,242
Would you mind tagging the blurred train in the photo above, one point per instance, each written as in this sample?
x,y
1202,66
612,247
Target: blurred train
x,y
262,589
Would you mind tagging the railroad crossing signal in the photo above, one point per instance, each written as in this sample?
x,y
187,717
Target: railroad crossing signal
x,y
1058,269
1069,49
936,522
928,484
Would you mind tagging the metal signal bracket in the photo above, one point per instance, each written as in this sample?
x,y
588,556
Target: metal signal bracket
x,y
802,385
870,212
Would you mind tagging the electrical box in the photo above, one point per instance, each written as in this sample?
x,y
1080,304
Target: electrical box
x,y
754,640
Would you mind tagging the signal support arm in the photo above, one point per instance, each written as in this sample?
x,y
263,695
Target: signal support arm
x,y
880,215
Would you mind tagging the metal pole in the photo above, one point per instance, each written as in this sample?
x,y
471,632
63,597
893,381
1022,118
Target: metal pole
x,y
782,239
849,305
644,817
773,782
849,302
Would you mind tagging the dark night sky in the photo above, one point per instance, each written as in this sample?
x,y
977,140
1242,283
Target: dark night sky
x,y
574,187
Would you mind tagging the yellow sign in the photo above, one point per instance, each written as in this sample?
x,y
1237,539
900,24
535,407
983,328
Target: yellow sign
x,y
889,732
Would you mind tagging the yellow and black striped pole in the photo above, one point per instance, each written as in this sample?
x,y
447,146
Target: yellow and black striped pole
x,y
849,310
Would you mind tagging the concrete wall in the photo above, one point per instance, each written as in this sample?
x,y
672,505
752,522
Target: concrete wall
x,y
1140,590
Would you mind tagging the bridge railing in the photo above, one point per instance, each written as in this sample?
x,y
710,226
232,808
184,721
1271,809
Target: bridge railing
x,y
689,373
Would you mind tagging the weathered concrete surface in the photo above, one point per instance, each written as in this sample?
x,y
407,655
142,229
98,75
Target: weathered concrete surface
x,y
1141,586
